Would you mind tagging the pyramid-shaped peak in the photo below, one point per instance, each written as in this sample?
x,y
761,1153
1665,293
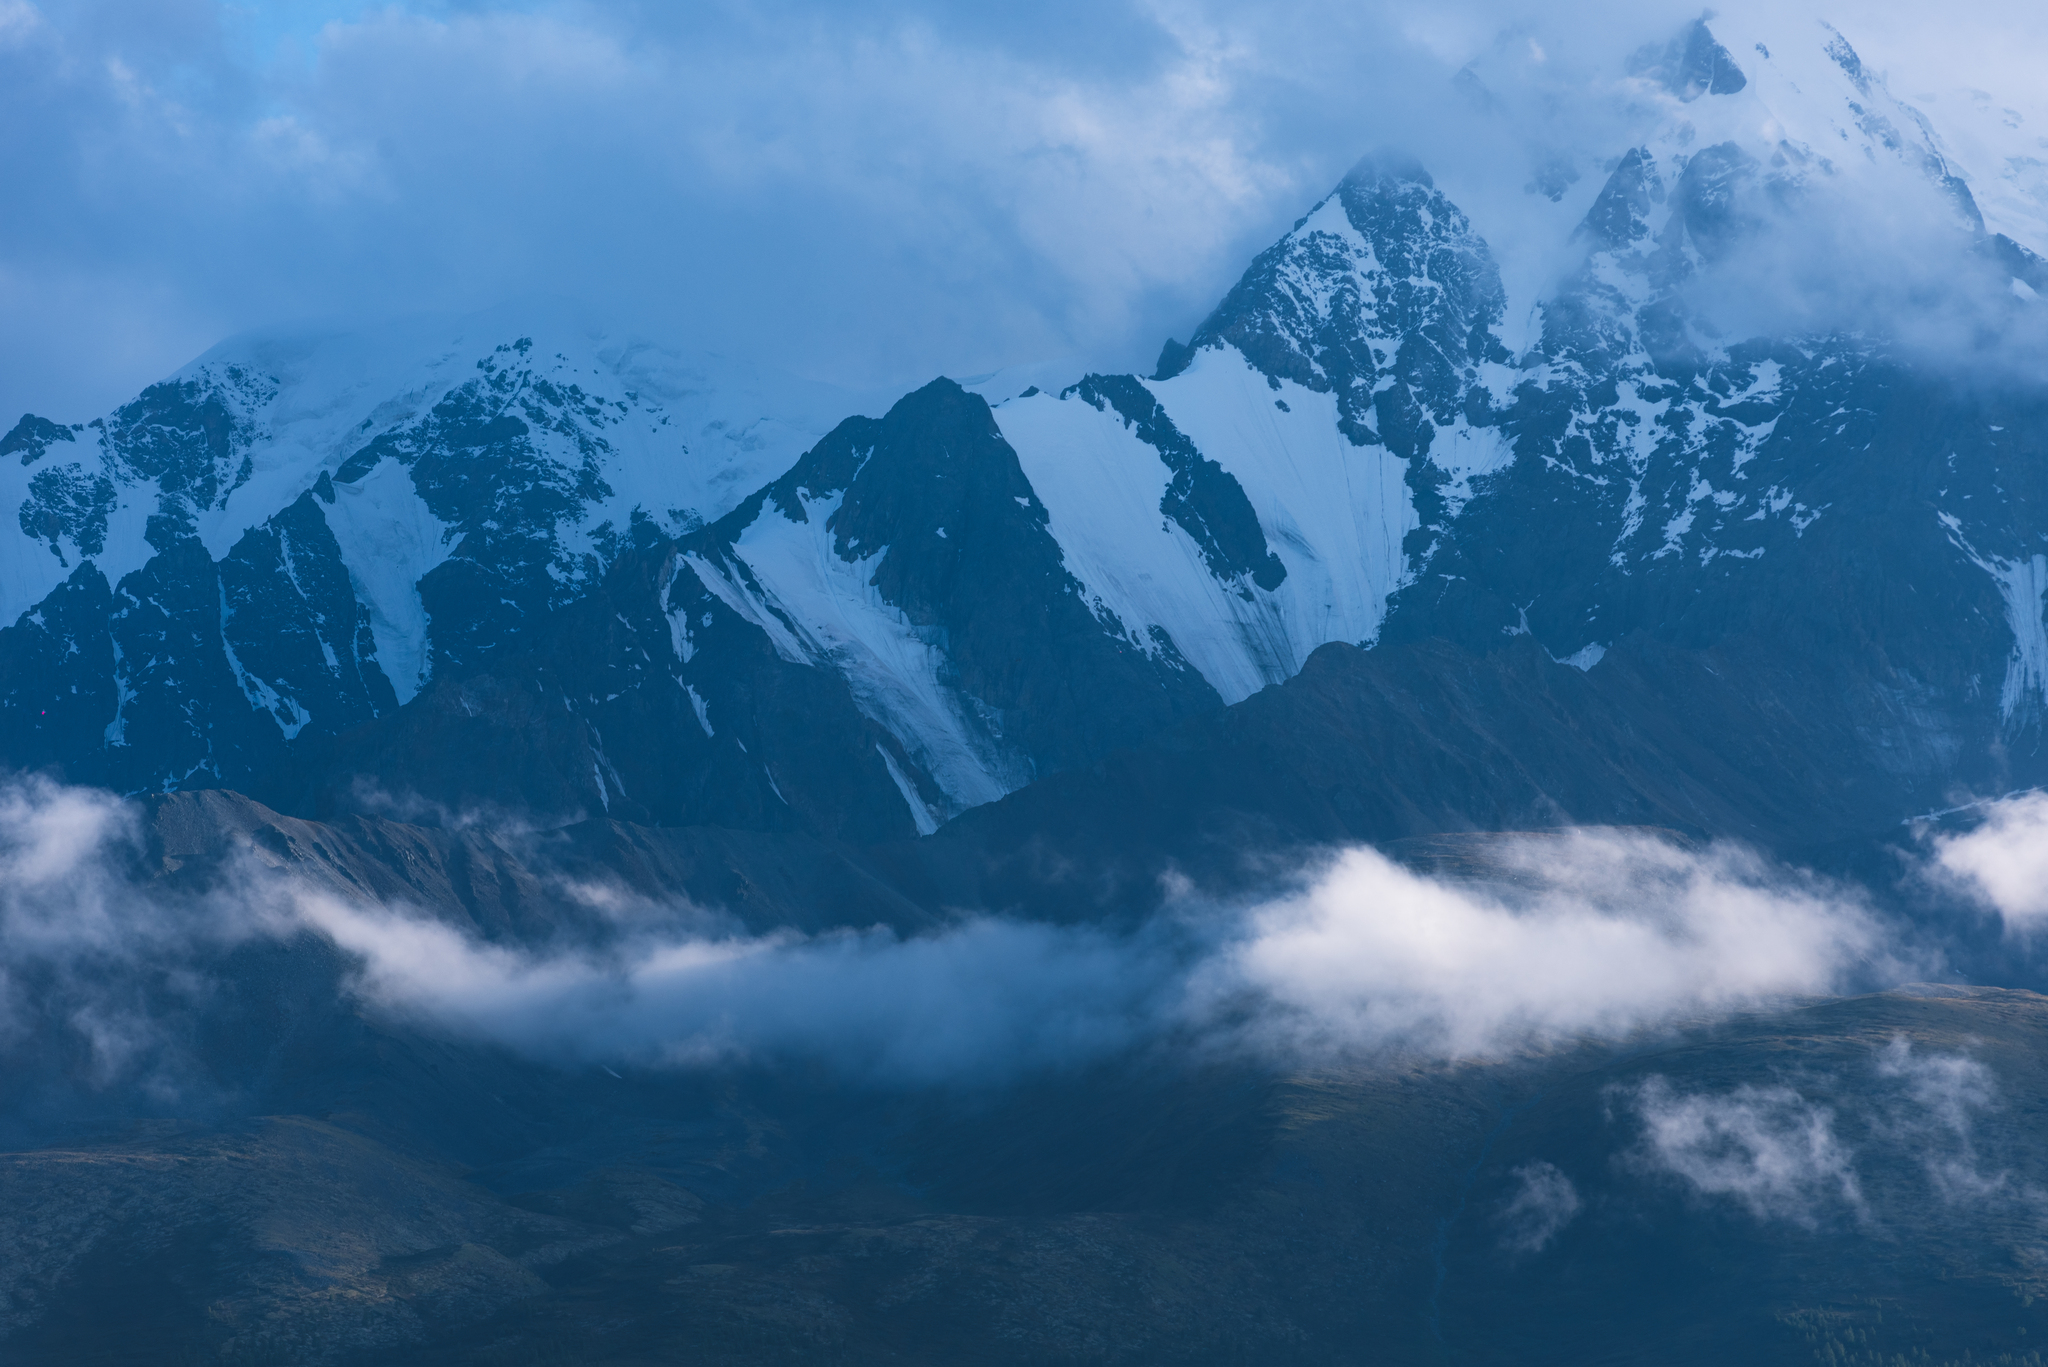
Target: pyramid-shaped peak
x,y
1388,166
1691,65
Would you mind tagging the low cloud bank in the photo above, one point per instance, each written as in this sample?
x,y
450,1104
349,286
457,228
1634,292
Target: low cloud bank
x,y
988,994
1594,933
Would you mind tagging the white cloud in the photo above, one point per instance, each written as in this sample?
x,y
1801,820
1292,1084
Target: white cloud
x,y
81,954
2004,860
19,21
1944,1094
331,174
57,893
1776,1152
986,999
1595,933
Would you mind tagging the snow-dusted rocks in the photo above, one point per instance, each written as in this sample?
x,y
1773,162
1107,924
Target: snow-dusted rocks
x,y
291,536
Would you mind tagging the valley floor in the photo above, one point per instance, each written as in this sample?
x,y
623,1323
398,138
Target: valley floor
x,y
1782,1188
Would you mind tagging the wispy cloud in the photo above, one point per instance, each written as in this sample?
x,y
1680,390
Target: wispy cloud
x,y
1768,1149
1944,1094
90,969
1545,1201
1779,1153
988,998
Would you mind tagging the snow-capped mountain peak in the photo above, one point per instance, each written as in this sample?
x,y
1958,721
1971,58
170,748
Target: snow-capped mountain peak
x,y
521,554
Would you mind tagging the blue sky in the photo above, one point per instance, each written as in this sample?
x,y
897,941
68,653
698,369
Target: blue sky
x,y
869,195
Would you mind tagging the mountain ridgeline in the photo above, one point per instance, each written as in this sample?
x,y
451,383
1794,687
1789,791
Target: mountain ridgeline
x,y
531,569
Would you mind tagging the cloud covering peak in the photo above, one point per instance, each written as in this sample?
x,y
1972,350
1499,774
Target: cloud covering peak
x,y
866,195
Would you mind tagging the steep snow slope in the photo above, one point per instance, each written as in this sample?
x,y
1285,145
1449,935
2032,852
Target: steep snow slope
x,y
818,608
1355,354
1333,514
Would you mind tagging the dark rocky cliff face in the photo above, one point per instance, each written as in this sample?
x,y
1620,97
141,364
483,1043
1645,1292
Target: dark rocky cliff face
x,y
964,556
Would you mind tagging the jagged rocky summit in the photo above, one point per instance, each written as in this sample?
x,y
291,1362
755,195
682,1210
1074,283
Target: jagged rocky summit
x,y
526,565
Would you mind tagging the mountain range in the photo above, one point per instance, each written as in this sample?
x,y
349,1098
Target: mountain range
x,y
539,567
452,615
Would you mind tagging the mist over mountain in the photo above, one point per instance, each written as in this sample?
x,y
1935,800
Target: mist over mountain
x,y
1486,802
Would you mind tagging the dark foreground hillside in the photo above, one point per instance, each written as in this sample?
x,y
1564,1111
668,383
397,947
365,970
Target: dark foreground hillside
x,y
1858,1181
298,1176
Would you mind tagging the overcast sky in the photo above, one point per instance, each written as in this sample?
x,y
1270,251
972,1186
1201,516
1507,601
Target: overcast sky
x,y
865,194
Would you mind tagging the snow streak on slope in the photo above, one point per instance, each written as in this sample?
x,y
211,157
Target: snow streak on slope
x,y
2023,588
1102,488
389,539
819,609
2023,584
